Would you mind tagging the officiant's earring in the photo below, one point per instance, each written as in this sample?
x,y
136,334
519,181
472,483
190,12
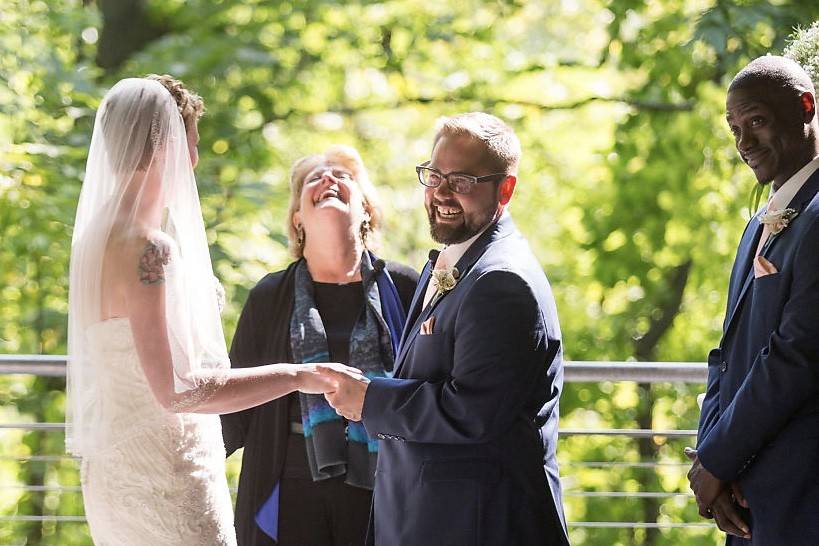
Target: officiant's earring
x,y
300,236
365,229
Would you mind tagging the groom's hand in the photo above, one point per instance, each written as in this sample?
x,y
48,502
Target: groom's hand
x,y
706,486
348,398
311,380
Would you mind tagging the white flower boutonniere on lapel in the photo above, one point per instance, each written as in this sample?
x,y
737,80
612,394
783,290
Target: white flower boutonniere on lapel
x,y
444,280
779,220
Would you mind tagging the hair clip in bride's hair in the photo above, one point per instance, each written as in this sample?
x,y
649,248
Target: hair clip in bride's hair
x,y
155,129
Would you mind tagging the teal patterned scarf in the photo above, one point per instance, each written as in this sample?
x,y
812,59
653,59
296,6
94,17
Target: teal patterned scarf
x,y
336,447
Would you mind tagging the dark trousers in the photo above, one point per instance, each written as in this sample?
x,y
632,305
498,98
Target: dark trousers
x,y
323,513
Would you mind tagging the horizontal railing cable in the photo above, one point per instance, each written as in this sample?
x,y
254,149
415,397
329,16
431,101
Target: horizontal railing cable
x,y
39,458
623,464
574,370
640,525
598,494
579,524
626,432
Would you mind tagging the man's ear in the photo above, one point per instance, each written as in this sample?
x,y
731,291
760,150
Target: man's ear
x,y
506,189
808,103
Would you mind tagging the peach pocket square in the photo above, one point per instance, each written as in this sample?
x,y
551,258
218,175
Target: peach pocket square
x,y
426,326
762,267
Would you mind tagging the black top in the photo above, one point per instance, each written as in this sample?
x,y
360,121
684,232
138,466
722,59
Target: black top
x,y
339,306
263,337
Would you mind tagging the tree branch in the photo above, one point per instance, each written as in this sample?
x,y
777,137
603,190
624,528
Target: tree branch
x,y
491,102
677,278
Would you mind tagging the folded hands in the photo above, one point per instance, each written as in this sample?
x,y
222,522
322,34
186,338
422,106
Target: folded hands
x,y
717,499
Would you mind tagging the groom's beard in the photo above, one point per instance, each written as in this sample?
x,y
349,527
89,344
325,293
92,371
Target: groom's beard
x,y
450,233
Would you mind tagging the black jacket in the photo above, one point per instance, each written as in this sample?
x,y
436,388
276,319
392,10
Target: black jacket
x,y
263,337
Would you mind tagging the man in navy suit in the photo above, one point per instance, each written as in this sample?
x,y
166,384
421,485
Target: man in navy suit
x,y
755,467
468,424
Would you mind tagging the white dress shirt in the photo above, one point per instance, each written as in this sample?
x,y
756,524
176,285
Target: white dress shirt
x,y
450,255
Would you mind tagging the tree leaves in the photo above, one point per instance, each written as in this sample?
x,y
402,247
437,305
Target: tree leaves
x,y
630,191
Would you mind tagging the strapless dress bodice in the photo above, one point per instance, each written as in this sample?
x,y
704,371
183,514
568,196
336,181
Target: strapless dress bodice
x,y
128,407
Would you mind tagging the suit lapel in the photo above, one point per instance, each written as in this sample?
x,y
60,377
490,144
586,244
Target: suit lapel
x,y
749,244
415,306
500,229
745,271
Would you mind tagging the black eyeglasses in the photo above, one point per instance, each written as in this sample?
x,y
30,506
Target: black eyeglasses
x,y
458,182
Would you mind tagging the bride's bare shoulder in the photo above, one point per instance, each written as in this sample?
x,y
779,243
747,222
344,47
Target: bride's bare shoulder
x,y
149,252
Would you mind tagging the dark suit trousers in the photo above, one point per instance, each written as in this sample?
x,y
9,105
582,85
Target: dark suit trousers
x,y
324,513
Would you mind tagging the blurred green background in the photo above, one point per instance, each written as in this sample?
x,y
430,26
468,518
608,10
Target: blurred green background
x,y
630,191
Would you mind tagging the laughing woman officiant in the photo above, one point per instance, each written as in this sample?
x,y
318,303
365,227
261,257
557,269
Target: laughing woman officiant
x,y
307,474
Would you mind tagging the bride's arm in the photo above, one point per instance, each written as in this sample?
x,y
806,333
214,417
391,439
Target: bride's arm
x,y
214,391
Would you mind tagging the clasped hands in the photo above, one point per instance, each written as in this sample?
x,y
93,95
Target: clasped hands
x,y
717,499
343,387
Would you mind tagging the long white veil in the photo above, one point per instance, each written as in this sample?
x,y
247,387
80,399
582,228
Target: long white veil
x,y
138,165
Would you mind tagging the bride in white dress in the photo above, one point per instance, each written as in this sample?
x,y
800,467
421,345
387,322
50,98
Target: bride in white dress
x,y
148,371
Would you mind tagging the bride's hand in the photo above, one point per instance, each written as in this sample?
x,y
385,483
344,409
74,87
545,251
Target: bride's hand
x,y
311,380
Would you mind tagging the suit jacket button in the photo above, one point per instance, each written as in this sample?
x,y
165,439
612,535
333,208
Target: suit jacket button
x,y
724,367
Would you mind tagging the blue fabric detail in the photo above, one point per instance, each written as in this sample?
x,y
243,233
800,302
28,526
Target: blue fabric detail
x,y
391,308
267,518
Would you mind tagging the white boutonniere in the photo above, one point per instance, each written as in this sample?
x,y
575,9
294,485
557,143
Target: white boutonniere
x,y
444,280
779,220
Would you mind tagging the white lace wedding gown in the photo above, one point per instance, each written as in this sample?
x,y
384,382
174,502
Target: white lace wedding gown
x,y
159,477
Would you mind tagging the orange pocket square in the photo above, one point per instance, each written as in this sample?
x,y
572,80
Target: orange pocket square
x,y
763,267
426,326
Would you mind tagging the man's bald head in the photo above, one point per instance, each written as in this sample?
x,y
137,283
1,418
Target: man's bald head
x,y
775,73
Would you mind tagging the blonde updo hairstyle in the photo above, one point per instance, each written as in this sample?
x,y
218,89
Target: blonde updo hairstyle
x,y
349,158
191,106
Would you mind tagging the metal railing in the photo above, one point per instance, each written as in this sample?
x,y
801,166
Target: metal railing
x,y
575,371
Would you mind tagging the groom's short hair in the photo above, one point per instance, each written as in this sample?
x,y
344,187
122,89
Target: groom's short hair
x,y
778,74
501,143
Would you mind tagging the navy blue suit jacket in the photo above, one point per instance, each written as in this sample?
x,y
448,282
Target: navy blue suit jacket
x,y
760,419
468,426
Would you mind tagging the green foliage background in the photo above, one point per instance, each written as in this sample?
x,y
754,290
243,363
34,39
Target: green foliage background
x,y
630,190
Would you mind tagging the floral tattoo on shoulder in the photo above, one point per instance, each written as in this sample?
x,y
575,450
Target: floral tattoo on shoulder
x,y
152,263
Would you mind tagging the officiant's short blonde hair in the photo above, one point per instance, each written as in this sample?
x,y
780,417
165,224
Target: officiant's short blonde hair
x,y
349,158
501,142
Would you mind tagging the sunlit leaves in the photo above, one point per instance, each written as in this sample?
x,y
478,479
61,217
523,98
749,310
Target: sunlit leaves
x,y
627,175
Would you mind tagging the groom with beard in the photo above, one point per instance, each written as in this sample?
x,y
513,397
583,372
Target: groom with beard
x,y
468,424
